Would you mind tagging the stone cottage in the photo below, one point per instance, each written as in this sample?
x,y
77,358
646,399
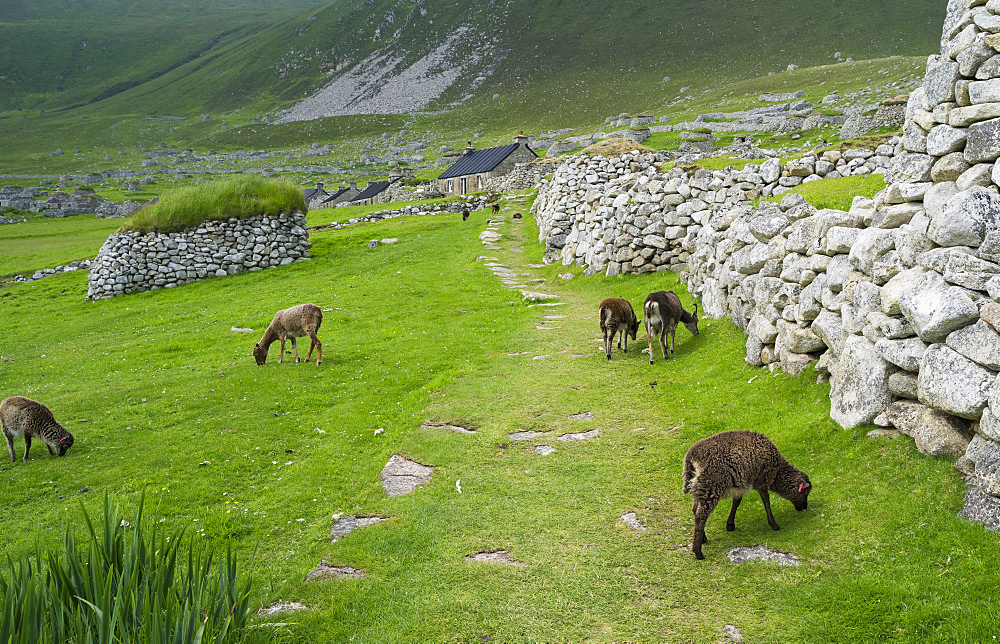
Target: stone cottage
x,y
315,196
342,195
475,167
375,193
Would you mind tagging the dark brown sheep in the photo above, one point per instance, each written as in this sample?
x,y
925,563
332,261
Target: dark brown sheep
x,y
730,464
617,316
661,312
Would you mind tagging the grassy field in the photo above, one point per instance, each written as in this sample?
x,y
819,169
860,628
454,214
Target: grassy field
x,y
46,243
154,385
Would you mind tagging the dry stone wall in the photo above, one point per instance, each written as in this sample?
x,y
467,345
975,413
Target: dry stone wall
x,y
895,300
132,262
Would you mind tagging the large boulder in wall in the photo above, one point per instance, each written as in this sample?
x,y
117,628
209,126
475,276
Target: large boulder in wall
x,y
860,389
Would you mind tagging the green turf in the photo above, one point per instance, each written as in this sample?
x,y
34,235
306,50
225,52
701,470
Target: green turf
x,y
152,385
49,242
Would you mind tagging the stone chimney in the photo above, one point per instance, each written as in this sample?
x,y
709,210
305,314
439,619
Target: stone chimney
x,y
319,185
520,139
354,184
469,149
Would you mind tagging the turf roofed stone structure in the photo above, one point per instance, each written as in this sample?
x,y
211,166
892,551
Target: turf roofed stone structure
x,y
895,300
475,167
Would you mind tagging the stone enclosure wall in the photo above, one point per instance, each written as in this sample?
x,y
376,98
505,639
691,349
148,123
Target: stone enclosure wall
x,y
132,262
894,300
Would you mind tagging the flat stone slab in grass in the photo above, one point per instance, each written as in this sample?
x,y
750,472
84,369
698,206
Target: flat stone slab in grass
x,y
486,258
281,607
526,435
346,525
237,329
541,357
547,304
488,236
536,265
579,355
401,476
579,436
325,571
583,415
544,450
520,353
538,297
555,317
455,428
631,521
547,328
497,556
733,634
742,554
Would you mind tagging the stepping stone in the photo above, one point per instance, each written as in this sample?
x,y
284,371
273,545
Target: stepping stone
x,y
537,280
547,328
455,428
741,554
526,435
554,317
281,607
237,329
579,436
530,306
536,266
521,353
579,355
516,250
401,476
346,525
325,571
566,276
631,521
489,236
487,258
497,556
538,297
583,415
541,357
544,450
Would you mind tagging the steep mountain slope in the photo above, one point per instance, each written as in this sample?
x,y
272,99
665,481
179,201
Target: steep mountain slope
x,y
55,53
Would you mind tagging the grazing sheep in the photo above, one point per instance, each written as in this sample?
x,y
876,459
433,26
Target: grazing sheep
x,y
661,312
730,464
617,316
496,208
295,322
465,214
518,215
20,416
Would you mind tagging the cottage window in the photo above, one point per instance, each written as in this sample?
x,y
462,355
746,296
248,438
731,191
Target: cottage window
x,y
450,188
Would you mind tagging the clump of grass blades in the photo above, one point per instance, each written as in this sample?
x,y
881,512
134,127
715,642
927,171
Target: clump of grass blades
x,y
124,585
243,196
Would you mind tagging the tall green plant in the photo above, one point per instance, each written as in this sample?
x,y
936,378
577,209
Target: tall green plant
x,y
123,585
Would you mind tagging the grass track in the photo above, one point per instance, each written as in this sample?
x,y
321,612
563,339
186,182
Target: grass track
x,y
421,331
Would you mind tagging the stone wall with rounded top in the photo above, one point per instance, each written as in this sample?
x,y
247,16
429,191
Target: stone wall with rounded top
x,y
131,262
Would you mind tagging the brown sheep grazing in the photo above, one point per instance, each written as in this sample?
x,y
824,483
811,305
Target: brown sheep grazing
x,y
661,312
617,316
20,416
730,464
295,322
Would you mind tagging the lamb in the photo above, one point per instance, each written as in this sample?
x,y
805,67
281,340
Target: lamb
x,y
617,316
496,208
20,416
661,312
295,322
730,464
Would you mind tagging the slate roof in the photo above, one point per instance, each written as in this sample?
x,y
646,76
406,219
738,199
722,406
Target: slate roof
x,y
308,194
375,188
479,161
336,194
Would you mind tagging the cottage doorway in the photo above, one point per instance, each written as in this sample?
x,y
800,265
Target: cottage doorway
x,y
463,185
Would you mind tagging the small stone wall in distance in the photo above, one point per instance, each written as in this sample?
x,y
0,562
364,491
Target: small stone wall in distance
x,y
132,262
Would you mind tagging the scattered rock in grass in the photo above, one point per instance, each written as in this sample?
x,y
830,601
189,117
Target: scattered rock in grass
x,y
544,450
497,556
579,355
346,525
566,276
538,297
554,317
486,258
638,429
742,554
579,436
455,428
519,353
372,243
204,463
733,634
583,415
536,265
281,607
885,433
547,328
526,435
631,521
390,240
547,304
516,250
237,329
541,357
85,490
401,476
325,571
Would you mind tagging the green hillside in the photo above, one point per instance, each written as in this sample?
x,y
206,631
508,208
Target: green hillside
x,y
537,55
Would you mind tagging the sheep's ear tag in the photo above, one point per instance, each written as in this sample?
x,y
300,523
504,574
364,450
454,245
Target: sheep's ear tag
x,y
801,485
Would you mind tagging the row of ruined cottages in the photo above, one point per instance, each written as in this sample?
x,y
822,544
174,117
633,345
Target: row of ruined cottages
x,y
469,172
